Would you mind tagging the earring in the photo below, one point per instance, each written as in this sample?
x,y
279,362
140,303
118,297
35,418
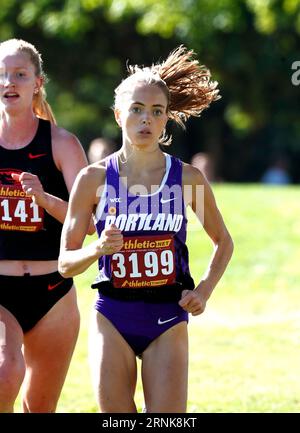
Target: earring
x,y
36,91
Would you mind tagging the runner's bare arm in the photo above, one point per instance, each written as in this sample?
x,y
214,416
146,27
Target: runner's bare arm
x,y
204,205
69,158
74,258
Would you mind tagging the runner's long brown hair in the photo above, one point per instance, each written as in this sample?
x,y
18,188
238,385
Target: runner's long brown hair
x,y
185,82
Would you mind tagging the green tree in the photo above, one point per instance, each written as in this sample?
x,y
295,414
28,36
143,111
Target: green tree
x,y
84,54
249,46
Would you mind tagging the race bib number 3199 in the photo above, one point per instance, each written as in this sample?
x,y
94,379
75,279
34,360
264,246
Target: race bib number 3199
x,y
17,210
144,262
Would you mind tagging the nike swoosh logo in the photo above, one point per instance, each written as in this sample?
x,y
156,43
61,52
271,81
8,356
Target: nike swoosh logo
x,y
162,200
161,322
52,286
38,155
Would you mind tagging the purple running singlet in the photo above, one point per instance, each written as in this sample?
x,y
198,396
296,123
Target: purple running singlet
x,y
154,256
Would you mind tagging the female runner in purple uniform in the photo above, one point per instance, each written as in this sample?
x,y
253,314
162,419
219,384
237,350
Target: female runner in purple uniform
x,y
39,318
138,198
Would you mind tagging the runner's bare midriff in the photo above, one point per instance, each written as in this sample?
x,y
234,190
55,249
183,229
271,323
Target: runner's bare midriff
x,y
21,267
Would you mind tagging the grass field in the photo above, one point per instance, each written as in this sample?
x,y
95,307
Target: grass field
x,y
245,348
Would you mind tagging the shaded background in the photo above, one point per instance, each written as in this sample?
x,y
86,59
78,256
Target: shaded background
x,y
250,46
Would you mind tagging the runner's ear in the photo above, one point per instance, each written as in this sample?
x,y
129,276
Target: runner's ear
x,y
118,117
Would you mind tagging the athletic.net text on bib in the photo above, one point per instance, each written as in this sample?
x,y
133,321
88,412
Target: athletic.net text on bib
x,y
17,210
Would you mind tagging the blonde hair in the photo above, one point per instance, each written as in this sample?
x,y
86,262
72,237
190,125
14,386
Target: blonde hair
x,y
39,104
185,83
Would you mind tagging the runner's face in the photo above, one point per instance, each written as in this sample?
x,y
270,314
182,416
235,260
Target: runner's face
x,y
143,115
17,82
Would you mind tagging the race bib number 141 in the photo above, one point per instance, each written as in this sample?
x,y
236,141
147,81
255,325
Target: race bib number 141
x,y
17,211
